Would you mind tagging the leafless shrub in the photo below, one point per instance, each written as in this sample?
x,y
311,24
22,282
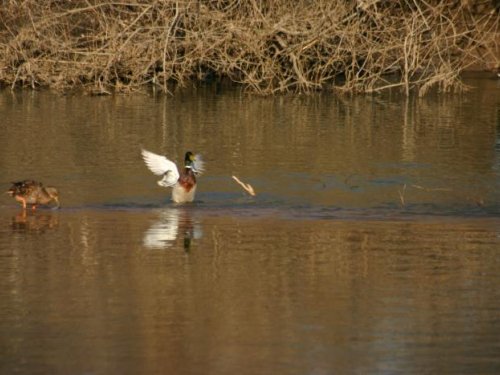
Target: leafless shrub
x,y
268,46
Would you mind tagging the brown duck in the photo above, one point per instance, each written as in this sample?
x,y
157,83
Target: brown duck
x,y
33,193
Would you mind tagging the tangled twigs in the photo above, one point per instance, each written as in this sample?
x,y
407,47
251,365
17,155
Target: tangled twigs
x,y
268,46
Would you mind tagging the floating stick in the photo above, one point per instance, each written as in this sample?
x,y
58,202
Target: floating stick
x,y
402,196
248,188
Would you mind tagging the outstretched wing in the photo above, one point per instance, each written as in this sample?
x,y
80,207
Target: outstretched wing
x,y
161,166
198,164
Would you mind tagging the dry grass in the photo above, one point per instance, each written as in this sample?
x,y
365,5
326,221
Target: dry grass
x,y
269,46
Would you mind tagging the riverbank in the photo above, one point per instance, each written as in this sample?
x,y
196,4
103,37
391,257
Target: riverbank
x,y
269,47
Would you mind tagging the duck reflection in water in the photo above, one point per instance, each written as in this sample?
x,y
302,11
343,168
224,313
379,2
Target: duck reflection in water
x,y
172,226
34,222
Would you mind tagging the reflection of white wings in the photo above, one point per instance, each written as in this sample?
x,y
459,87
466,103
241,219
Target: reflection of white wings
x,y
164,232
172,222
161,166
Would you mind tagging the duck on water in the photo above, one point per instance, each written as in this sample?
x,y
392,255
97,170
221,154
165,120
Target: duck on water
x,y
30,192
183,183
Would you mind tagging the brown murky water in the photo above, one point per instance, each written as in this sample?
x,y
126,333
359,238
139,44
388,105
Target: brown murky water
x,y
334,267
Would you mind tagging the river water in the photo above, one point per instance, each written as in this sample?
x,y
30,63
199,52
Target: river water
x,y
372,245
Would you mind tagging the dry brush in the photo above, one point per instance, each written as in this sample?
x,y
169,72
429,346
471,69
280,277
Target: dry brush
x,y
269,46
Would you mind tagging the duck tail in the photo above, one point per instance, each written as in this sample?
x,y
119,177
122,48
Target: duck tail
x,y
54,195
58,204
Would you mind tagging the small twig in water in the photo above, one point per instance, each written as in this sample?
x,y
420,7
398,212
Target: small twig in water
x,y
348,179
248,188
402,195
429,189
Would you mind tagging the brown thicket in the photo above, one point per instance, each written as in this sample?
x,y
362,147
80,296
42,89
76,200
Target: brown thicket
x,y
269,46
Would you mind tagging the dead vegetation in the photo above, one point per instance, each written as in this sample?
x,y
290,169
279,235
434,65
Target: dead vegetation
x,y
269,46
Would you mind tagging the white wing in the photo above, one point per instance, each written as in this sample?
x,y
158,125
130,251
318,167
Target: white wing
x,y
161,166
198,164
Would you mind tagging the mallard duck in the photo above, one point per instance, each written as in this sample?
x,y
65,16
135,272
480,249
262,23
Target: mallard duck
x,y
183,184
34,193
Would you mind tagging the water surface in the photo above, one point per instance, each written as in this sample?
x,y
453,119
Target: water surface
x,y
372,245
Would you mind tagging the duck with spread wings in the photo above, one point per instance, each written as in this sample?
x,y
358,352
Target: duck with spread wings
x,y
183,183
